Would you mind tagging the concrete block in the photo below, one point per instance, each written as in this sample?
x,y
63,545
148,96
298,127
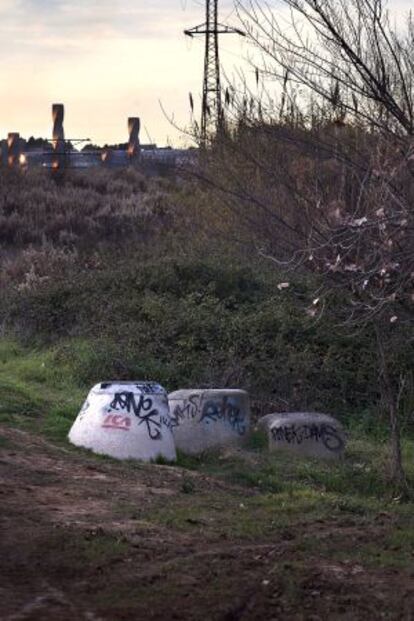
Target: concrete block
x,y
305,433
126,420
204,419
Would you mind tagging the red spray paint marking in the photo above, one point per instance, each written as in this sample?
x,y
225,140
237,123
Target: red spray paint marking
x,y
114,421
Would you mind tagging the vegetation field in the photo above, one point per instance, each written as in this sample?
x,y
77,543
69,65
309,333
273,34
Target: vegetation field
x,y
277,258
113,276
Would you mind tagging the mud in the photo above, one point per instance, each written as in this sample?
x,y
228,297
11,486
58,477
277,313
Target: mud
x,y
78,542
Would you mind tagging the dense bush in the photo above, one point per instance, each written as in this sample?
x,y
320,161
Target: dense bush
x,y
199,323
168,299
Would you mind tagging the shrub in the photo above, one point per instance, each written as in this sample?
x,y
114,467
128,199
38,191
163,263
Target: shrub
x,y
199,324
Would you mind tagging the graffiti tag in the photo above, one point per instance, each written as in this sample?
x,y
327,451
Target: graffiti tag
x,y
292,434
142,409
188,410
149,388
214,411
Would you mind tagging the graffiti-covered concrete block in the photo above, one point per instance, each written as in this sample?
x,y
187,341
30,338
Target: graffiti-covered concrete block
x,y
203,419
303,433
126,420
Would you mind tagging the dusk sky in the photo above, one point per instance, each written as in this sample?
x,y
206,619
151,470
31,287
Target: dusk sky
x,y
105,60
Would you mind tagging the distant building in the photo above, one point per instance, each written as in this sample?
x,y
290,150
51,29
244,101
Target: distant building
x,y
59,153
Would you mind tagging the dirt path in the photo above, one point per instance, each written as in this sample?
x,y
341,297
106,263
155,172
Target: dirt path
x,y
82,539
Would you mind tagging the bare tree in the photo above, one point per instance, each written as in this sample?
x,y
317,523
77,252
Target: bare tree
x,y
346,53
325,177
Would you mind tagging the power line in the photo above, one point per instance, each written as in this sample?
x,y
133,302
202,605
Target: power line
x,y
212,110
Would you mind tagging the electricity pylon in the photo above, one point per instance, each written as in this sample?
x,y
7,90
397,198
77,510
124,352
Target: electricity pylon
x,y
211,111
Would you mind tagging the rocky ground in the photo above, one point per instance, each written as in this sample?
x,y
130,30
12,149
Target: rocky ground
x,y
85,538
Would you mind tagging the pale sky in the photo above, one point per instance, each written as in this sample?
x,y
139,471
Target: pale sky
x,y
107,60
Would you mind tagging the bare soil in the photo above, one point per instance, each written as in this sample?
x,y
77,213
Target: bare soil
x,y
83,538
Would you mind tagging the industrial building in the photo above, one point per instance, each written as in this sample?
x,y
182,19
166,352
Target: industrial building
x,y
59,153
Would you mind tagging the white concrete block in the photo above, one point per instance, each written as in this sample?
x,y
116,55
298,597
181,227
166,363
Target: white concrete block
x,y
126,420
203,419
305,433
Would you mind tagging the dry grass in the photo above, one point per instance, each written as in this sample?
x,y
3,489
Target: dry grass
x,y
48,227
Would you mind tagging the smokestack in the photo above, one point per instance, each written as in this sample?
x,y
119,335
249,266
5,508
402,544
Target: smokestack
x,y
134,125
58,115
13,149
107,157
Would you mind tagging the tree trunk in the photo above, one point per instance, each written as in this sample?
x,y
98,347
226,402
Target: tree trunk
x,y
391,401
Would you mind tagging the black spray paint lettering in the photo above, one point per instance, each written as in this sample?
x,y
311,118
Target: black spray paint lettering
x,y
292,434
150,388
142,409
214,411
190,409
143,387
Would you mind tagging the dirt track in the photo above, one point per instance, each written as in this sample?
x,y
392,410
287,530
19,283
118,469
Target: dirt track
x,y
78,543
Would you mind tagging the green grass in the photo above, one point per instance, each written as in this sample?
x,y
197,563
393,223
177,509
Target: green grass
x,y
265,493
362,473
295,514
38,391
99,547
284,495
95,548
35,392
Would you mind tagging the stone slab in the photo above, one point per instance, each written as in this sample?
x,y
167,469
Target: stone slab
x,y
309,434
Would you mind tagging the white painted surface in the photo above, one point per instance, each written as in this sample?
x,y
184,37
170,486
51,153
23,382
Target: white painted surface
x,y
305,433
126,420
203,419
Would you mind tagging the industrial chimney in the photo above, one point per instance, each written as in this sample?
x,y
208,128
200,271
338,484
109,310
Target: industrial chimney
x,y
134,125
13,149
58,115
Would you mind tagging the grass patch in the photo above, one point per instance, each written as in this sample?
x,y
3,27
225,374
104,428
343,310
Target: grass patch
x,y
18,400
266,493
36,393
74,551
361,474
259,516
383,540
281,492
100,547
